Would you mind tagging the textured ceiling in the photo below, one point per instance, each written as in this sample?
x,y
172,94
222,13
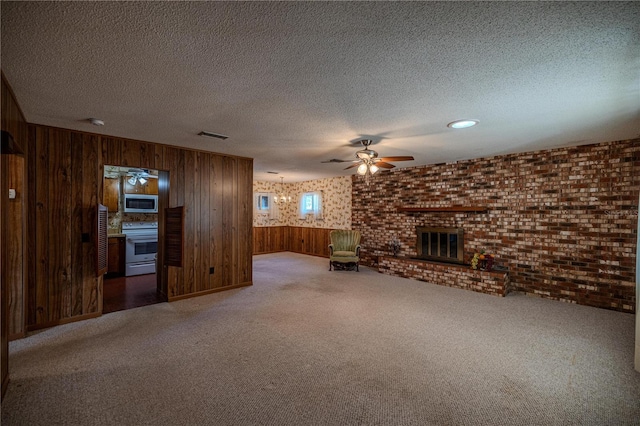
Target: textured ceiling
x,y
295,83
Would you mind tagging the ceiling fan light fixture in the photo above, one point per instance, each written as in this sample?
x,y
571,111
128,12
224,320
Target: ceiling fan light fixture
x,y
142,180
132,180
462,124
373,168
362,169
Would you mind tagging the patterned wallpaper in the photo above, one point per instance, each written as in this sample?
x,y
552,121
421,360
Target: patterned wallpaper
x,y
336,198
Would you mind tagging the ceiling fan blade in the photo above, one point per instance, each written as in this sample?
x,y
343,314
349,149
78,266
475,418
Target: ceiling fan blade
x,y
354,165
384,165
397,158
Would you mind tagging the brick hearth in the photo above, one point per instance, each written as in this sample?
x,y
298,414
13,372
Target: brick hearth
x,y
459,276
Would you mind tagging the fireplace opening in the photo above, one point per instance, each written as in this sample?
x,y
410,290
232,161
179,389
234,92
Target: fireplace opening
x,y
441,244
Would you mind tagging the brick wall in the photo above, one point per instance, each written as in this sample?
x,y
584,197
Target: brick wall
x,y
563,221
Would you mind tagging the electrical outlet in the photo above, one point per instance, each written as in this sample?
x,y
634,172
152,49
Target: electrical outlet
x,y
12,194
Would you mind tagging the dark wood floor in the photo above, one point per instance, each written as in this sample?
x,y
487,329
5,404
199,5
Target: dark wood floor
x,y
129,292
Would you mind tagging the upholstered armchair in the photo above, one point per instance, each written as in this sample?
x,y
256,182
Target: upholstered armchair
x,y
344,249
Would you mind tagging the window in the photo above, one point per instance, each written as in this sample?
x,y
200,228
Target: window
x,y
264,209
311,204
263,202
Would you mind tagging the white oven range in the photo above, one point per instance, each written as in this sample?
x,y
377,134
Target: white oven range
x,y
141,247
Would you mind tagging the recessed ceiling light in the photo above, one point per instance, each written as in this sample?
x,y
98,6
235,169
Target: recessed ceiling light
x,y
462,124
96,122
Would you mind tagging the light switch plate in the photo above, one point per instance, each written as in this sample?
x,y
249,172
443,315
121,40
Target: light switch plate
x,y
12,193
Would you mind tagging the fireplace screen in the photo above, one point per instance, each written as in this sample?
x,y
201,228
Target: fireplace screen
x,y
444,244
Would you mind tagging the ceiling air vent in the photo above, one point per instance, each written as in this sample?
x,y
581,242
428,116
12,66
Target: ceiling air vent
x,y
213,135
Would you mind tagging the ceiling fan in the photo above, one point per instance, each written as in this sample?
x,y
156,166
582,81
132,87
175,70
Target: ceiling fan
x,y
368,160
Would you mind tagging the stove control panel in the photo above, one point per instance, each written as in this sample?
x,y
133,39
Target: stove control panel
x,y
139,225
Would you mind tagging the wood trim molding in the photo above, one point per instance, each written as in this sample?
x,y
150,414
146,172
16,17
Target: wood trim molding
x,y
210,291
62,321
459,209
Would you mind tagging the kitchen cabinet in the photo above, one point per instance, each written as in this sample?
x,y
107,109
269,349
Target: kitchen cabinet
x,y
116,256
150,187
112,193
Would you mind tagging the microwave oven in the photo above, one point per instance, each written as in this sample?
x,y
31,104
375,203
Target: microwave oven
x,y
140,203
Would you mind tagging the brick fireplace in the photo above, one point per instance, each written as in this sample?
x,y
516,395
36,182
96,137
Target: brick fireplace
x,y
562,221
440,244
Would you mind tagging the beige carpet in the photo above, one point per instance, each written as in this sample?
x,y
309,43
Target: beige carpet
x,y
305,346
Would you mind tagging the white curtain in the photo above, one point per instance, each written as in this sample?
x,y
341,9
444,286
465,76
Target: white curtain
x,y
302,211
317,205
274,208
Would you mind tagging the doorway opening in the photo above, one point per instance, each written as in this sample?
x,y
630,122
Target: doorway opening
x,y
132,198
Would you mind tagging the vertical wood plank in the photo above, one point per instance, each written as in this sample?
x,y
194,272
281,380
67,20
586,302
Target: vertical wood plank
x,y
204,192
92,175
130,153
59,224
4,293
42,227
174,162
14,260
244,208
190,222
215,221
77,253
14,243
111,151
228,219
163,203
170,163
147,156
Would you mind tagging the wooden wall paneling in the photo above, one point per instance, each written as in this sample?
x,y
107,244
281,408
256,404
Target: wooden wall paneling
x,y
31,260
203,195
174,163
92,175
228,245
245,220
286,237
77,215
60,202
13,210
112,151
130,153
148,156
192,210
216,251
298,239
4,288
260,240
163,203
41,227
306,240
295,239
321,243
